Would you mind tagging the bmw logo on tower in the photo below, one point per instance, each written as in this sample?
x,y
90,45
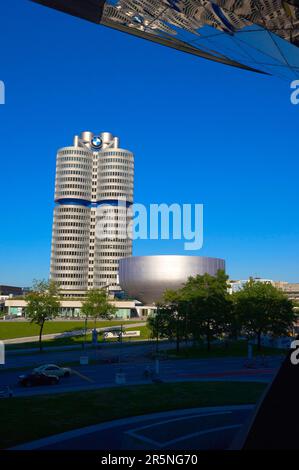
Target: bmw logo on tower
x,y
96,142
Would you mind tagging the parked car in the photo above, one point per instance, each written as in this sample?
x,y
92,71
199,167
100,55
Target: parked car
x,y
53,369
5,391
35,379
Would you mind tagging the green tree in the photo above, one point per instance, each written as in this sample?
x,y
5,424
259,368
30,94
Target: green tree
x,y
209,306
42,304
159,323
97,305
234,325
201,308
263,309
178,312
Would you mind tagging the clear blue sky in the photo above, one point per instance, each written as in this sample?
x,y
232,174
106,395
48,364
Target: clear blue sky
x,y
201,133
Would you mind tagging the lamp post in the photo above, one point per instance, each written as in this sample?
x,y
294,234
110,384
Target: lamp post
x,y
85,333
120,377
157,364
121,344
157,331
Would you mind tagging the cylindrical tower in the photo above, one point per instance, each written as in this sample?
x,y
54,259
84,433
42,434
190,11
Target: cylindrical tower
x,y
71,224
114,198
93,177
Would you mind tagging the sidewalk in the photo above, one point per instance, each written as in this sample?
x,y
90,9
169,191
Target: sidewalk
x,y
78,347
66,334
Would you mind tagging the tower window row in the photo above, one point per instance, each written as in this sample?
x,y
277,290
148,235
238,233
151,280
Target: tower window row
x,y
70,224
68,262
75,231
79,184
82,218
124,174
81,172
80,166
57,254
69,275
69,210
81,160
107,276
70,239
73,193
70,268
127,161
62,246
74,152
121,154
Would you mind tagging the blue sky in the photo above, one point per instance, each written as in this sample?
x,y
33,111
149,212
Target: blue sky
x,y
201,133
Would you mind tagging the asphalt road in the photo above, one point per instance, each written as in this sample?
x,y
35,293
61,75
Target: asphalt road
x,y
103,375
127,351
192,429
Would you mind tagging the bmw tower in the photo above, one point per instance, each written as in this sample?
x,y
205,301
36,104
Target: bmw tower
x,y
93,191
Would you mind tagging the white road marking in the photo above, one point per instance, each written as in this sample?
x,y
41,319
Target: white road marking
x,y
134,432
201,433
82,376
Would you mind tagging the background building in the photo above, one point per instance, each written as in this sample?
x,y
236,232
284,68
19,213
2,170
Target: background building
x,y
8,291
237,285
291,289
71,308
94,176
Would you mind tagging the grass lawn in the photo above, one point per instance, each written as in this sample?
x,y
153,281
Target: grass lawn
x,y
79,340
21,329
28,418
234,349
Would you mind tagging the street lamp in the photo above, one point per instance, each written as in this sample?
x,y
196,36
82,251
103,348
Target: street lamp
x,y
121,344
85,333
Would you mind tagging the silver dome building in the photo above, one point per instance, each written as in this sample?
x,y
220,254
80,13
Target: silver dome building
x,y
146,278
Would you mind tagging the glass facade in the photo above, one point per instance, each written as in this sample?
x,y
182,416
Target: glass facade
x,y
260,35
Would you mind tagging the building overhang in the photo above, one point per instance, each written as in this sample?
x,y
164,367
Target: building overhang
x,y
73,303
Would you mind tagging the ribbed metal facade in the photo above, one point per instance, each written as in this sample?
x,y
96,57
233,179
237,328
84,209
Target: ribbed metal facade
x,y
94,176
146,278
115,183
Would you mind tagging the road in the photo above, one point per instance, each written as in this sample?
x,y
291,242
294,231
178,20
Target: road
x,y
128,350
171,370
192,429
178,430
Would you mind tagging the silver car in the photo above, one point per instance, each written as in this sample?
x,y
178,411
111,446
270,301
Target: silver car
x,y
53,369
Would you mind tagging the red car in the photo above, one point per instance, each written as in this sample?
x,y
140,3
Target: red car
x,y
35,379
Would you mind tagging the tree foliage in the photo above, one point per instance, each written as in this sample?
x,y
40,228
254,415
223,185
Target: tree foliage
x,y
263,309
199,309
42,304
210,305
203,309
97,305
